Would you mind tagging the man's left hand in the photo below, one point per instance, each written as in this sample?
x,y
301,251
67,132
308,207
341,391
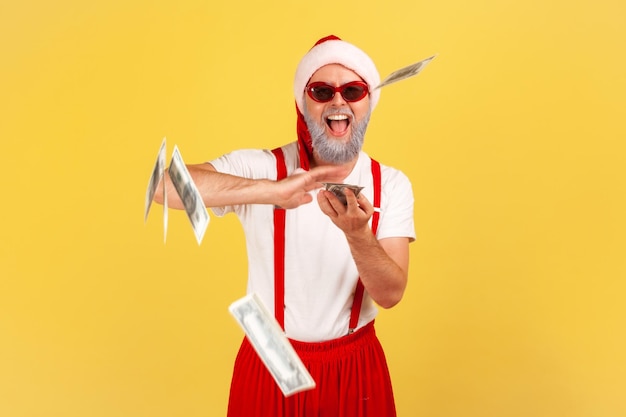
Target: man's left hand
x,y
352,217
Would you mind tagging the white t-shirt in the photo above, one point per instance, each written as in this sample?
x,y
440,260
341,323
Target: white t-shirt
x,y
320,274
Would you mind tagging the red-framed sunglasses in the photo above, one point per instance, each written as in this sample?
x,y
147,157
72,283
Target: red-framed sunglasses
x,y
323,93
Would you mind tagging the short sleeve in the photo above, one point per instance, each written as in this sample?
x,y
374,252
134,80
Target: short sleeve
x,y
396,217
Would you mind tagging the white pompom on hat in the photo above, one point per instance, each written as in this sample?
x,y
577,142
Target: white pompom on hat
x,y
332,50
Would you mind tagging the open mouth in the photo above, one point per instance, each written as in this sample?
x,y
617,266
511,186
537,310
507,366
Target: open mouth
x,y
338,123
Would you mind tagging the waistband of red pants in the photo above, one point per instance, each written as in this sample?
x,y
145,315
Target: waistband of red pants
x,y
335,348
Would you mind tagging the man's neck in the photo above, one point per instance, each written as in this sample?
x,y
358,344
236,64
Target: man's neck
x,y
343,169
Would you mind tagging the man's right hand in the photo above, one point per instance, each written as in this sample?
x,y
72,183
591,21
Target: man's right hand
x,y
294,190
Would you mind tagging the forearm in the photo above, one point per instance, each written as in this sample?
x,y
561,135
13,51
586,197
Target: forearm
x,y
384,277
218,189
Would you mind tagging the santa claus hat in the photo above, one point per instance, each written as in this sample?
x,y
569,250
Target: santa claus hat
x,y
332,50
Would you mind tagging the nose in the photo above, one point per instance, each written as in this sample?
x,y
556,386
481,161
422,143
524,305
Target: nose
x,y
338,99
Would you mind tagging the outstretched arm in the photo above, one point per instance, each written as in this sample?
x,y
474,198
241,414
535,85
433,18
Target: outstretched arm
x,y
382,264
219,189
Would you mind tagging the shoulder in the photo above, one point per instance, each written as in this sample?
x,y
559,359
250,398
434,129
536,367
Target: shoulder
x,y
394,177
251,163
291,157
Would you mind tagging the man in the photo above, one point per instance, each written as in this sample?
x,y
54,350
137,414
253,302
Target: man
x,y
319,265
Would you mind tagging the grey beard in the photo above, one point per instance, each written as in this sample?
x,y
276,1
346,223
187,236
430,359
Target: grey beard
x,y
331,150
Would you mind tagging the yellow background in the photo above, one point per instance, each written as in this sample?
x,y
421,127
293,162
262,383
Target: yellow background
x,y
513,138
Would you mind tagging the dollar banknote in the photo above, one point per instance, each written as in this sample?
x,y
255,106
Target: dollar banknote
x,y
271,344
338,190
155,178
189,194
165,212
406,72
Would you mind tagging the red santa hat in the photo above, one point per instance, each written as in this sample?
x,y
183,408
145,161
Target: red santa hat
x,y
330,50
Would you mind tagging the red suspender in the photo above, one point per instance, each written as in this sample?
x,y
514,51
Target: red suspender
x,y
279,246
358,292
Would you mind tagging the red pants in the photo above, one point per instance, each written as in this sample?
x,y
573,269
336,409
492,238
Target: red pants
x,y
351,376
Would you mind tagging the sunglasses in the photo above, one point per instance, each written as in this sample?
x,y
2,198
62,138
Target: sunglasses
x,y
323,93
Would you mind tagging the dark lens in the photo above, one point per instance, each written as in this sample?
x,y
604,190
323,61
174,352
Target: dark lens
x,y
353,92
322,93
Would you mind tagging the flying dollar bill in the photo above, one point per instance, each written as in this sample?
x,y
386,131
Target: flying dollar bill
x,y
271,344
337,189
189,194
165,212
406,72
157,175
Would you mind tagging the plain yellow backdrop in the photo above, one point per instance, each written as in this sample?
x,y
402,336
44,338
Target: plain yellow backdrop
x,y
513,138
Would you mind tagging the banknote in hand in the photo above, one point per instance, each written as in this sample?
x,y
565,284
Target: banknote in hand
x,y
338,190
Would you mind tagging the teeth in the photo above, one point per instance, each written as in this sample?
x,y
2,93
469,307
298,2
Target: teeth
x,y
337,117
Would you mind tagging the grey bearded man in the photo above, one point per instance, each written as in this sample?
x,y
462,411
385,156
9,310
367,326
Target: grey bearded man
x,y
324,267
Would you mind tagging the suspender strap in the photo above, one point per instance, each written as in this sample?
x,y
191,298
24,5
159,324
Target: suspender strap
x,y
279,246
358,292
377,191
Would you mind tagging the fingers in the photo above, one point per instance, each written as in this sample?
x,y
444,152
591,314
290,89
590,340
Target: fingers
x,y
360,202
350,218
330,204
325,201
320,173
305,179
295,190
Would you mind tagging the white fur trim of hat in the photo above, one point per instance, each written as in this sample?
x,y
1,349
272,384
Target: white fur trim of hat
x,y
336,51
